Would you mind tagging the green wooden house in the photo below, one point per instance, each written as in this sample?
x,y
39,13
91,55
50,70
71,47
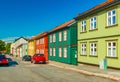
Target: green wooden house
x,y
62,43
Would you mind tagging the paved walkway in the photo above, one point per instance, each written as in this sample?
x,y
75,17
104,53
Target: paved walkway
x,y
89,70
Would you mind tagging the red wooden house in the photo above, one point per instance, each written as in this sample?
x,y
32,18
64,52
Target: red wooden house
x,y
42,44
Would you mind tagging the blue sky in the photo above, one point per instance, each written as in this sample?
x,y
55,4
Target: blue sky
x,y
31,17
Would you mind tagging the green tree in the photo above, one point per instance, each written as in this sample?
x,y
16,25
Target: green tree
x,y
2,46
8,48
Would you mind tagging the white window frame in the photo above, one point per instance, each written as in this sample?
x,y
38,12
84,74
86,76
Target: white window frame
x,y
65,52
93,23
60,36
83,26
51,52
110,17
41,51
94,53
42,41
54,37
65,35
83,49
37,51
60,52
112,49
51,38
54,51
37,42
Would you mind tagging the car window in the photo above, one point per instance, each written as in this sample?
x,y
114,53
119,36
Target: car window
x,y
41,54
2,56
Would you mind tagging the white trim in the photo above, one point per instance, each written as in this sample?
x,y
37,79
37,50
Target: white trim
x,y
65,52
83,49
71,23
93,20
111,17
112,49
83,26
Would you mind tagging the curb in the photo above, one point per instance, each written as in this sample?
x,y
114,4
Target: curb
x,y
89,73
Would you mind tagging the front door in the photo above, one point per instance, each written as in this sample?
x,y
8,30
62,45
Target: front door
x,y
74,56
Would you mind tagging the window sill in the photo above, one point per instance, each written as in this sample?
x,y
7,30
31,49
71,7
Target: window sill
x,y
65,40
93,56
93,30
111,26
83,32
112,57
82,55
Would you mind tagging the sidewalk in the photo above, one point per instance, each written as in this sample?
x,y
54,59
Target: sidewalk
x,y
89,70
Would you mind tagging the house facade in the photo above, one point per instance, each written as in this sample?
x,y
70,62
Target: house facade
x,y
31,46
25,49
42,44
99,34
12,49
18,50
62,43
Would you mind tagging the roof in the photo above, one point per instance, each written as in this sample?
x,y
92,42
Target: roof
x,y
96,8
64,25
41,35
20,38
32,38
38,36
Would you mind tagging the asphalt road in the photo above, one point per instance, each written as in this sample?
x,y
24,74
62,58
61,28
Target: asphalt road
x,y
20,71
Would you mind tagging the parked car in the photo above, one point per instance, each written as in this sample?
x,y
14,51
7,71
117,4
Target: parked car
x,y
26,58
3,60
38,58
11,54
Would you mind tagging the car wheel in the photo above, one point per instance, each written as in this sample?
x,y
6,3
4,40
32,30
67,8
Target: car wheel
x,y
7,64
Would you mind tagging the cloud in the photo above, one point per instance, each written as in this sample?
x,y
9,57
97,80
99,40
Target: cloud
x,y
9,39
12,39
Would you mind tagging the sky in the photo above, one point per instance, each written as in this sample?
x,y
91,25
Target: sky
x,y
28,18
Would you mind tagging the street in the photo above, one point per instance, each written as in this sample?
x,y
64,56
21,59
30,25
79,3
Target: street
x,y
20,71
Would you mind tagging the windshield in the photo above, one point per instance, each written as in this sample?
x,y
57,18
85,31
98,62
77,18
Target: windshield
x,y
2,57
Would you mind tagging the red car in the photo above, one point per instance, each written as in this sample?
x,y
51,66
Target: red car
x,y
3,60
38,58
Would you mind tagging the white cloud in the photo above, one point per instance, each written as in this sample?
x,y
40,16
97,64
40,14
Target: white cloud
x,y
12,39
9,39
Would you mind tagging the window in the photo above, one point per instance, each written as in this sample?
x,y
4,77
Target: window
x,y
65,52
111,18
54,38
83,49
42,41
60,36
50,38
93,49
83,26
37,43
111,49
41,51
65,35
54,52
50,51
60,52
37,51
93,23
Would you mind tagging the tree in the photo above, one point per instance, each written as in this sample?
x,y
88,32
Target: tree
x,y
2,46
8,48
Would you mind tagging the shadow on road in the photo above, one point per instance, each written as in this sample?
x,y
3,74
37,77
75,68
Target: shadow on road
x,y
10,64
